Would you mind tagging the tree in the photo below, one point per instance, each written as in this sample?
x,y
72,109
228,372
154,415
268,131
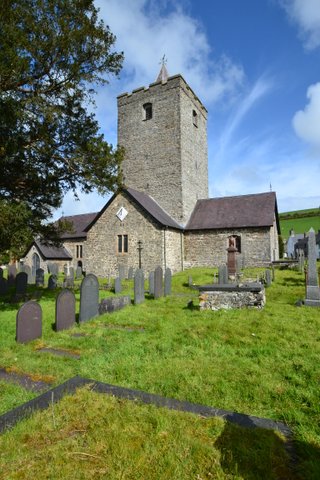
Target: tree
x,y
52,54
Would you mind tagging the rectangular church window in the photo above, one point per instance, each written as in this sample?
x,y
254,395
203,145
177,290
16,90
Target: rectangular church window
x,y
147,107
122,243
194,118
79,251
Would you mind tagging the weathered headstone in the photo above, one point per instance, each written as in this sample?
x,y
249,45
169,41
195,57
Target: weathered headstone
x,y
29,322
27,269
39,277
68,282
71,272
12,273
21,283
301,259
111,304
65,310
78,272
167,281
158,282
130,273
138,286
89,298
190,281
3,286
52,282
238,263
49,267
268,277
122,272
55,269
312,290
223,275
151,283
117,285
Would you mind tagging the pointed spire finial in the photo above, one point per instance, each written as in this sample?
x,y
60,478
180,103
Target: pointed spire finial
x,y
163,75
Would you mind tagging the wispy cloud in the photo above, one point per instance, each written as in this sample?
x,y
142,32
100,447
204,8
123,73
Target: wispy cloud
x,y
306,14
306,123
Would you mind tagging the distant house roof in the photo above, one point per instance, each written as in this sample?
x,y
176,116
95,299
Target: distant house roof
x,y
79,222
257,210
51,252
147,203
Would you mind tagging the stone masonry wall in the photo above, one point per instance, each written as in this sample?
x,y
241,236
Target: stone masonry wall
x,y
208,248
27,260
165,156
101,256
173,250
219,300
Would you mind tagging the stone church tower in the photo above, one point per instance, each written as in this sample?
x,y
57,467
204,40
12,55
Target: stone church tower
x,y
163,129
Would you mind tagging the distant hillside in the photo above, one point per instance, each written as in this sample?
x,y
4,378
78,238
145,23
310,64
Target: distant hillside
x,y
300,221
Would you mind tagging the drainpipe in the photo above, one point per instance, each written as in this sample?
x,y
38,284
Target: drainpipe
x,y
164,248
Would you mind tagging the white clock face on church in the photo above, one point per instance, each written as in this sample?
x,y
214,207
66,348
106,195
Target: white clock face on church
x,y
121,214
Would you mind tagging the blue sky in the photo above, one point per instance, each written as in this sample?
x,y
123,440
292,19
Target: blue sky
x,y
255,64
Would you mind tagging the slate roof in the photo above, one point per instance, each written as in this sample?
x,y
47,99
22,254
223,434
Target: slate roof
x,y
51,252
147,203
255,210
80,222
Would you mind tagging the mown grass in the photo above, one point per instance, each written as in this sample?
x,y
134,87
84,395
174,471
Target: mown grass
x,y
299,225
264,363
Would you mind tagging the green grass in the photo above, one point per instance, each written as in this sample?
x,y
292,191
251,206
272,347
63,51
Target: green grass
x,y
259,362
299,225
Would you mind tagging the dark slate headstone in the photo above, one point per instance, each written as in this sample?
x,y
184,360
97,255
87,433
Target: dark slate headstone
x,y
117,285
130,273
158,282
78,272
312,290
89,298
52,282
21,283
167,281
1,273
39,277
151,283
12,273
138,286
3,286
29,322
65,310
111,304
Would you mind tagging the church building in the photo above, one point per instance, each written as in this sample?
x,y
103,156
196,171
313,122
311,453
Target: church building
x,y
162,215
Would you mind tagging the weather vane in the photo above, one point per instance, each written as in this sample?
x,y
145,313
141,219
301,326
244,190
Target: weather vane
x,y
163,60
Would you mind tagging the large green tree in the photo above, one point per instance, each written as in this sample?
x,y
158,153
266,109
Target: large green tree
x,y
52,55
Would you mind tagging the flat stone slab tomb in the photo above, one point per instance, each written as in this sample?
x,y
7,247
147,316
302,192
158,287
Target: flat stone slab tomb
x,y
229,296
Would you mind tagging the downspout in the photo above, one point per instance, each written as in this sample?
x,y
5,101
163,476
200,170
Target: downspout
x,y
164,248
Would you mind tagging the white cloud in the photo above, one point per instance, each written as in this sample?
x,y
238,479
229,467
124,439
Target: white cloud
x,y
306,13
306,122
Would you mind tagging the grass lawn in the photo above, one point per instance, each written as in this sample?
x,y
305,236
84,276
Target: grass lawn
x,y
299,225
264,363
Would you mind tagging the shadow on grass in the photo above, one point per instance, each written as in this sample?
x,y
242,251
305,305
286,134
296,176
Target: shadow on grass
x,y
292,281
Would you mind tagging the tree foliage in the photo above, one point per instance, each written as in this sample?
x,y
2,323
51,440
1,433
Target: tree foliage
x,y
51,53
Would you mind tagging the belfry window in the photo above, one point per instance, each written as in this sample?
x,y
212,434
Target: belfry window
x,y
194,118
147,109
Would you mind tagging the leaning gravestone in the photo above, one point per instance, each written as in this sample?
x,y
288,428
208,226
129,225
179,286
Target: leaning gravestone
x,y
151,283
138,286
158,282
65,310
167,281
312,290
52,282
89,298
21,283
12,273
29,322
3,286
39,277
117,285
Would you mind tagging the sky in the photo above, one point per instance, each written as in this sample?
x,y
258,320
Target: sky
x,y
254,64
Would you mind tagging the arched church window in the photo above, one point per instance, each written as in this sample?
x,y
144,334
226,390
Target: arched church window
x,y
194,118
147,108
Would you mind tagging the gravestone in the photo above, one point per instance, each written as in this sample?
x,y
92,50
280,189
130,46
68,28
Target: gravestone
x,y
52,282
122,272
78,272
301,259
130,273
111,304
68,282
89,298
167,282
223,275
268,277
1,273
312,290
71,272
231,259
238,263
27,269
138,286
158,282
151,283
190,281
3,286
117,285
39,277
65,310
55,269
29,322
21,283
12,273
49,267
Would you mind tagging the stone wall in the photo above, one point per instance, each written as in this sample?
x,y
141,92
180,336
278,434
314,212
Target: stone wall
x,y
101,255
165,156
27,260
226,300
208,248
71,246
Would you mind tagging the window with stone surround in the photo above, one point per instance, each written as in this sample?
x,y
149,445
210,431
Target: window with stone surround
x,y
122,245
79,251
195,118
147,109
